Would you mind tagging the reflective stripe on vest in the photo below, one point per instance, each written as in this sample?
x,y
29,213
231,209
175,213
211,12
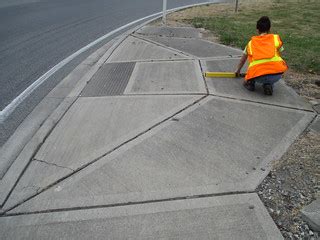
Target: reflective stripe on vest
x,y
249,49
274,59
276,40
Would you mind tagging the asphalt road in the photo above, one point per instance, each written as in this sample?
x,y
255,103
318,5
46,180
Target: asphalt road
x,y
35,35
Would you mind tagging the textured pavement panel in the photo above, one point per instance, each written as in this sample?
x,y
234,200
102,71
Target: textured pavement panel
x,y
166,77
217,147
110,80
135,49
241,217
196,47
80,138
232,87
181,32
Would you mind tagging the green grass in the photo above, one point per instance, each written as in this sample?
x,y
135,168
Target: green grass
x,y
298,24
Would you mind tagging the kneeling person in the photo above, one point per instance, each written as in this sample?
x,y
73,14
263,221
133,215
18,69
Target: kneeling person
x,y
265,63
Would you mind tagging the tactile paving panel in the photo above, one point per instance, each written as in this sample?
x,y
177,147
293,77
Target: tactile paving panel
x,y
110,80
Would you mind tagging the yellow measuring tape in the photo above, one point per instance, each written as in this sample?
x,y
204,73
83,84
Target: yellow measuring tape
x,y
222,74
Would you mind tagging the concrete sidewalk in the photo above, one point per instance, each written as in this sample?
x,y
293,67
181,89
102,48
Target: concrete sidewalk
x,y
144,147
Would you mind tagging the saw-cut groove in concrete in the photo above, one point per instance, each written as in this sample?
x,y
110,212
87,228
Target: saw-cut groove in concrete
x,y
239,217
110,80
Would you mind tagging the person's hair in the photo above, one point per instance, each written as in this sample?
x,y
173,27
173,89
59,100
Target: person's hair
x,y
263,24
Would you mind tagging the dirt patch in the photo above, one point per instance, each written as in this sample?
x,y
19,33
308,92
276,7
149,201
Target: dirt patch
x,y
306,85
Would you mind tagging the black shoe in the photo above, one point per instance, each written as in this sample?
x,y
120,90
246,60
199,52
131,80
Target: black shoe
x,y
268,89
250,85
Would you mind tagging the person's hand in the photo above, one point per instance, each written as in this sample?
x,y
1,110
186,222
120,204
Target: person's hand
x,y
237,73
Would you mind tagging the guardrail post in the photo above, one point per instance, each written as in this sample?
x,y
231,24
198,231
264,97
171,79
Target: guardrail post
x,y
164,12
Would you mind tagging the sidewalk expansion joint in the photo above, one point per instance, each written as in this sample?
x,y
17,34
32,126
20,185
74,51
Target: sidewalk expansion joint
x,y
262,103
203,77
164,46
53,164
126,204
98,158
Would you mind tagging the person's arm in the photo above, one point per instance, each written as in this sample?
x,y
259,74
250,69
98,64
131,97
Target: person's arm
x,y
241,63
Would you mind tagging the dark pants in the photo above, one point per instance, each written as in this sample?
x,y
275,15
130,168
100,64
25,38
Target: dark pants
x,y
268,79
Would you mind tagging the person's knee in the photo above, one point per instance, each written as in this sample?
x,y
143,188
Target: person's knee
x,y
276,78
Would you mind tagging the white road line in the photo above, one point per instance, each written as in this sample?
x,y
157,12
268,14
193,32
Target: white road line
x,y
5,113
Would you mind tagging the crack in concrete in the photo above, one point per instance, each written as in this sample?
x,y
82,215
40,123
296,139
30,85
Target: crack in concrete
x,y
53,164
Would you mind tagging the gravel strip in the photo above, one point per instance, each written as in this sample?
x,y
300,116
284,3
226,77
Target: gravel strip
x,y
293,183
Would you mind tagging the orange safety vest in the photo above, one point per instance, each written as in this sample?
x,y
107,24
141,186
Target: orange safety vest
x,y
264,56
